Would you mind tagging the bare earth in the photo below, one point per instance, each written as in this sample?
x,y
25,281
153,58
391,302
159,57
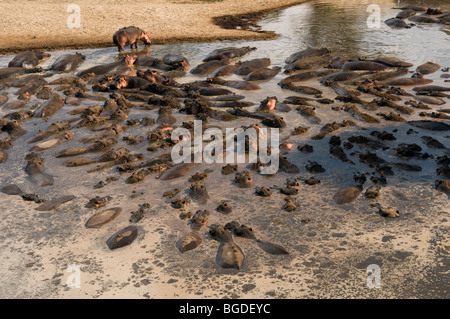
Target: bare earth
x,y
32,24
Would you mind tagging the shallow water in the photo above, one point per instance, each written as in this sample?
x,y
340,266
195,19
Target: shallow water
x,y
336,240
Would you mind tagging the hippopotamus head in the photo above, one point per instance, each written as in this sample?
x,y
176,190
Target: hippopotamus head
x,y
145,37
69,136
120,82
130,59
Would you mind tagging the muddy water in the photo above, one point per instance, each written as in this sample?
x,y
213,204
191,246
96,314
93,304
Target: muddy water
x,y
330,246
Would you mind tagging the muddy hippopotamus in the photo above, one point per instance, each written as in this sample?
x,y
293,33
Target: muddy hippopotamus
x,y
307,53
241,85
263,74
363,65
130,82
228,53
247,67
130,36
396,23
177,62
428,67
209,67
68,62
13,72
405,14
390,61
229,255
28,59
118,66
423,19
49,107
309,63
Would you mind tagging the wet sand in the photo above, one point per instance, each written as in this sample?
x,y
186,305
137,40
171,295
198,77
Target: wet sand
x,y
43,24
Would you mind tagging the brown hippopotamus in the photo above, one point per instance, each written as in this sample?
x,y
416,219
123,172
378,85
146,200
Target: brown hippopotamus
x,y
28,59
130,82
13,72
428,67
363,65
130,36
396,23
118,66
305,54
263,74
209,67
228,53
177,62
241,85
49,107
247,67
68,62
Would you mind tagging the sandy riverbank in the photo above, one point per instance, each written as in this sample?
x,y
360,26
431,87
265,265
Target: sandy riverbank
x,y
30,24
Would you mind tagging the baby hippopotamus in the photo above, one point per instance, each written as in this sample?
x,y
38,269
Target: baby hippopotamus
x,y
130,36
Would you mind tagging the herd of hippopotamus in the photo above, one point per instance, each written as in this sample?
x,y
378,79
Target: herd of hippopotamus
x,y
418,14
148,83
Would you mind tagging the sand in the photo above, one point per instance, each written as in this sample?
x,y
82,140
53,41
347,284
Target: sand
x,y
31,24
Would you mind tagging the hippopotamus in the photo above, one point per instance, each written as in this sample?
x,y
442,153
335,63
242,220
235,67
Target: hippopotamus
x,y
412,7
227,70
423,19
252,65
35,168
309,63
307,53
130,82
68,62
122,238
405,14
229,255
102,218
28,59
410,81
165,116
143,60
12,72
118,66
304,76
363,65
431,88
263,74
390,61
49,107
177,62
151,75
396,23
30,89
240,85
228,53
209,67
428,67
130,36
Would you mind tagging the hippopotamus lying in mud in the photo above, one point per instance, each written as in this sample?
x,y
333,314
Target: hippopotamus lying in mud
x,y
28,59
112,67
130,36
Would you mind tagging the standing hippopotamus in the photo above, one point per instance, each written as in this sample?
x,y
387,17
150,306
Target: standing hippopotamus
x,y
68,62
130,36
28,59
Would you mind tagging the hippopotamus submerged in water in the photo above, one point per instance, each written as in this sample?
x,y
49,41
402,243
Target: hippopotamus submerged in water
x,y
130,36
